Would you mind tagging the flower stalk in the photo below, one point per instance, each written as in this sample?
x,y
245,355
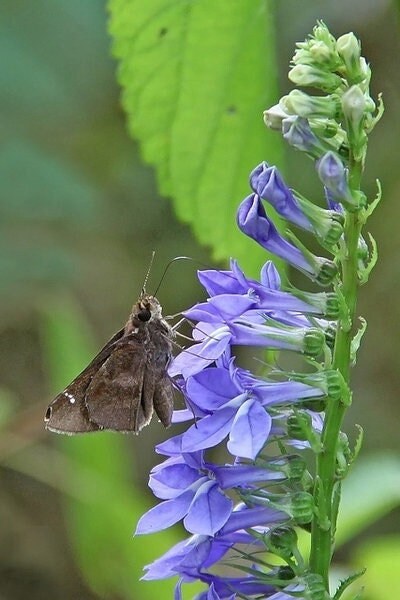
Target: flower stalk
x,y
249,507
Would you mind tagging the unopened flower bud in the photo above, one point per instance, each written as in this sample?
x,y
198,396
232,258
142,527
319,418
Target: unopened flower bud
x,y
313,342
354,108
309,76
327,273
274,116
295,468
298,133
299,425
330,336
268,183
333,175
314,587
282,541
302,104
348,48
354,105
302,507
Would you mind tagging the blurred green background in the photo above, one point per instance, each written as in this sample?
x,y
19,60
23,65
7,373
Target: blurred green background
x,y
79,217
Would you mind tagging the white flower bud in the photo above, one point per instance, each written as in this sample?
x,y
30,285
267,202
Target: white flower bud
x,y
274,116
354,104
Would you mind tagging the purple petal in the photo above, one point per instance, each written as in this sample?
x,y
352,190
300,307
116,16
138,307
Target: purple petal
x,y
181,416
247,333
250,429
230,476
251,517
230,306
268,183
211,388
270,277
165,514
185,556
203,312
171,480
210,430
244,587
276,392
209,510
178,590
239,275
253,221
189,362
219,282
171,447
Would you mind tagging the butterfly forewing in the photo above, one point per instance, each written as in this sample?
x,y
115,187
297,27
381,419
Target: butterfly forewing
x,y
68,412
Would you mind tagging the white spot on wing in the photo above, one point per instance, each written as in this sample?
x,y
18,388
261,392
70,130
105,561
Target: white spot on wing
x,y
70,397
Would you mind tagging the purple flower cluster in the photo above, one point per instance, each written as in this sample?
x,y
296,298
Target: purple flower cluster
x,y
243,502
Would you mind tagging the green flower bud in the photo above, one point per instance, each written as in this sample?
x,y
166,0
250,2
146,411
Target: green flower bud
x,y
295,468
301,104
309,76
318,50
314,340
330,336
285,573
349,50
299,425
282,541
354,106
302,507
314,587
327,273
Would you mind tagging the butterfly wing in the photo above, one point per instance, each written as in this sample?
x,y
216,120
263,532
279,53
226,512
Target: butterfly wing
x,y
163,400
68,412
120,396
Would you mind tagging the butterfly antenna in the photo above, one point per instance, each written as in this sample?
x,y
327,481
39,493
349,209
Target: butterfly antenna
x,y
148,272
174,260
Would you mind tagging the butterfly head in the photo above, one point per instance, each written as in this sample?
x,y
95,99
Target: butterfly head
x,y
146,309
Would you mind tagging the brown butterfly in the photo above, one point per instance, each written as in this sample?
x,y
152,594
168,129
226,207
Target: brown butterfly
x,y
125,382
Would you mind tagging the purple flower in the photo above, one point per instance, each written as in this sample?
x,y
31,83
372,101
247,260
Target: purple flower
x,y
191,558
262,295
298,133
267,183
253,221
333,175
231,405
190,492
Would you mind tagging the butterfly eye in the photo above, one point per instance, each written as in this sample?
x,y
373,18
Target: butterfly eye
x,y
144,314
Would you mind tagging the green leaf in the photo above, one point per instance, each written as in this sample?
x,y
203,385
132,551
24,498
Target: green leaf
x,y
103,507
196,77
382,557
371,490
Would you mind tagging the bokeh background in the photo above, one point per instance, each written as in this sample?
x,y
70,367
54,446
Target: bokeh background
x,y
79,217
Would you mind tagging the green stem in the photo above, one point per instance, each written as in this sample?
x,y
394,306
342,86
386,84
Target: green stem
x,y
323,529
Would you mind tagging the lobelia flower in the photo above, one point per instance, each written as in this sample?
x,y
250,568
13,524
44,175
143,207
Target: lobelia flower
x,y
299,134
253,221
268,183
249,505
333,175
